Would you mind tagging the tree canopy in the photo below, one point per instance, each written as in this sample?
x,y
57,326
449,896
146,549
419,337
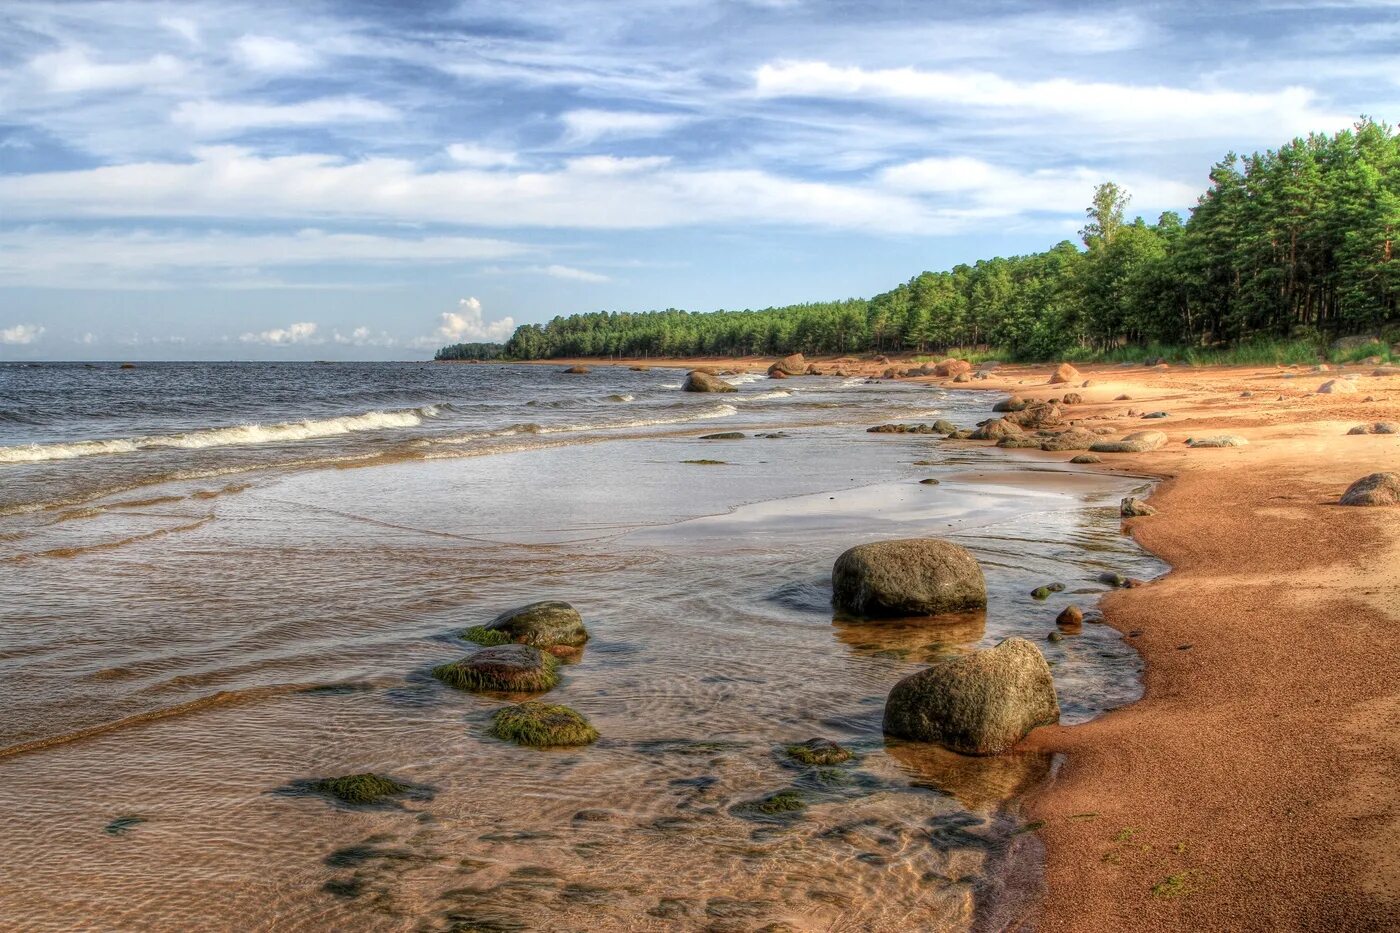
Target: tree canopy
x,y
1297,241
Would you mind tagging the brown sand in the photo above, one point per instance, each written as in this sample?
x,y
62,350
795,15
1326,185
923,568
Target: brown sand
x,y
1255,786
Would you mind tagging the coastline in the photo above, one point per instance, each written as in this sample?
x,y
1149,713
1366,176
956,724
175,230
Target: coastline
x,y
1253,785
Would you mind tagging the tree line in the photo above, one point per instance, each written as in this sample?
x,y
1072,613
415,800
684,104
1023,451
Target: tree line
x,y
1292,243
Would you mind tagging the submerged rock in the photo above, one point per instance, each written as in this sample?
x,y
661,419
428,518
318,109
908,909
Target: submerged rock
x,y
723,436
542,725
543,624
1375,489
360,789
908,577
978,704
507,668
699,381
578,370
818,752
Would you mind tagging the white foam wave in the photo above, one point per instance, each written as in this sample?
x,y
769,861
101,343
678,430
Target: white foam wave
x,y
700,414
744,378
242,434
776,393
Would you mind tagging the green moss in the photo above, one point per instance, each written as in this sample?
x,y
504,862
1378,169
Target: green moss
x,y
464,675
1040,592
542,725
485,636
818,752
360,788
783,803
1175,885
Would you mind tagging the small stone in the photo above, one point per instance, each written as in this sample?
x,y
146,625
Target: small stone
x,y
1133,507
1070,617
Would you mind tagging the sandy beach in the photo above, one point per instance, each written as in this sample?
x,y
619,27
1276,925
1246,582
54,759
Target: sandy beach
x,y
1255,784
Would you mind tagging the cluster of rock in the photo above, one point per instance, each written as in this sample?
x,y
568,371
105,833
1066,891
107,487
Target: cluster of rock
x,y
520,655
978,704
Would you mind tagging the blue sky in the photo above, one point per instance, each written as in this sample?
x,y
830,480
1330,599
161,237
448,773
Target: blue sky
x,y
370,180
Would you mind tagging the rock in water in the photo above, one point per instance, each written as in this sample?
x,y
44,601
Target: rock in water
x,y
908,577
1376,489
1065,373
699,381
793,365
818,752
543,725
1133,507
578,370
544,624
1071,617
978,704
507,668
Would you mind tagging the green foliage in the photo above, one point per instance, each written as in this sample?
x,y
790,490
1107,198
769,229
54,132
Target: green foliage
x,y
471,351
360,788
542,725
1286,248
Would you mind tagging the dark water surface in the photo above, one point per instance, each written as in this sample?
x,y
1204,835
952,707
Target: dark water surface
x,y
216,581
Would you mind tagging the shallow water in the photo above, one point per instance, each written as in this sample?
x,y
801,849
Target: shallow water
x,y
177,655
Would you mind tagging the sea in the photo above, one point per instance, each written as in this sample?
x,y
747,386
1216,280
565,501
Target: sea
x,y
221,582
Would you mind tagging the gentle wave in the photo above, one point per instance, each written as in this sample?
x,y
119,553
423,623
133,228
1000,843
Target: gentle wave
x,y
702,414
242,434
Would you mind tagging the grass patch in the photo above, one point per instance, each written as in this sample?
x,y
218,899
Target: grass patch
x,y
1178,884
360,788
477,673
482,635
542,725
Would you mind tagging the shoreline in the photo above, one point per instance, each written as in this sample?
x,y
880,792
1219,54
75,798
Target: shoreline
x,y
1269,653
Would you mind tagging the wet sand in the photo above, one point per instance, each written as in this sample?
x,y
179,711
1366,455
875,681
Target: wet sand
x,y
1254,787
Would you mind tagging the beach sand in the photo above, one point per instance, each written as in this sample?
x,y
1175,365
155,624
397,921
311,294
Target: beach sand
x,y
1255,785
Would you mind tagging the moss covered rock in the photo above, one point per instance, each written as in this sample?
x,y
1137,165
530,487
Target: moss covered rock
x,y
507,668
908,577
543,725
547,624
360,789
818,752
978,704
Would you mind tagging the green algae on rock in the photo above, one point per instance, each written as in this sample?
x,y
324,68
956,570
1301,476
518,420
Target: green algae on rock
x,y
360,788
818,752
542,725
546,624
508,668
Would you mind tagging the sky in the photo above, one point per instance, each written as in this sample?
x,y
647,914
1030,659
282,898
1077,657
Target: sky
x,y
369,179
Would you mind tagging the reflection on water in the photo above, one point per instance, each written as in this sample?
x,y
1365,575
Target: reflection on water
x,y
284,630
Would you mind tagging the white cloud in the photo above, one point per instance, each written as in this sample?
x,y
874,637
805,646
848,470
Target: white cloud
x,y
586,126
1168,111
273,55
54,257
474,156
980,189
362,337
301,332
72,69
186,29
466,325
219,118
21,334
553,270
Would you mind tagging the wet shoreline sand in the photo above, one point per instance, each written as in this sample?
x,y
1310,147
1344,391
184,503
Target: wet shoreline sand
x,y
1255,784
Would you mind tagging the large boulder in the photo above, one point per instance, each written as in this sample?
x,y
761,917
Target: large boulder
x,y
1378,427
701,381
908,577
1073,439
1136,443
1014,403
952,367
1038,415
793,365
1376,489
1218,440
546,624
978,704
1336,387
995,430
1065,373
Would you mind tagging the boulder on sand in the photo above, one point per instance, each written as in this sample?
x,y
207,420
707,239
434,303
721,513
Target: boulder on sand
x,y
1376,489
1336,387
1136,443
1133,507
1073,439
793,365
1038,415
700,381
907,577
1065,373
995,430
978,704
1218,440
544,624
1014,403
1378,427
952,367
